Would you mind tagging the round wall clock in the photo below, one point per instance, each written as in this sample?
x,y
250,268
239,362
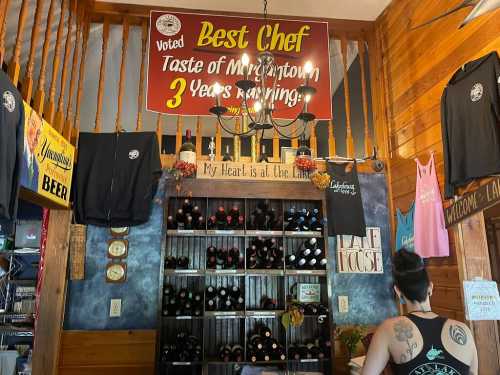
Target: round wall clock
x,y
116,272
119,231
117,249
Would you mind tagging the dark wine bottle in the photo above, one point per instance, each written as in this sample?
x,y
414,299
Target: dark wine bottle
x,y
212,222
168,290
322,263
171,224
237,353
234,212
183,263
241,222
291,261
197,311
211,305
293,353
292,226
197,298
183,294
226,304
235,292
187,152
179,217
310,243
252,251
312,350
263,158
221,258
200,223
220,215
256,342
311,264
170,262
290,215
227,155
239,304
303,225
252,355
195,212
316,225
301,263
222,292
187,207
271,344
229,222
303,352
280,353
187,309
268,303
225,353
211,292
270,243
252,263
188,225
311,309
251,222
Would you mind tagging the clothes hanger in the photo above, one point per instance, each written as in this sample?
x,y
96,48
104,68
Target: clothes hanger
x,y
464,4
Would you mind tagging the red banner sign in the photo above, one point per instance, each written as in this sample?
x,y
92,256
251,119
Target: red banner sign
x,y
188,53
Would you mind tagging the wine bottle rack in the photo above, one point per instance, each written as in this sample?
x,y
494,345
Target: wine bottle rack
x,y
218,328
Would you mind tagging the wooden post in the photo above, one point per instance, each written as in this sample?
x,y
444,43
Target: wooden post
x,y
102,74
199,138
159,131
59,120
68,126
237,141
368,138
218,142
178,135
349,138
3,28
14,65
294,142
474,261
313,141
53,294
28,77
276,146
81,78
121,82
40,92
50,108
144,37
331,140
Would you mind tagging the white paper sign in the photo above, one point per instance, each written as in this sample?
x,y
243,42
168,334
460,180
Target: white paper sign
x,y
482,301
360,254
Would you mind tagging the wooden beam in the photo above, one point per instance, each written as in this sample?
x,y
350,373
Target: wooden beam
x,y
40,92
121,82
368,138
331,140
199,138
59,120
349,138
276,146
144,38
14,64
50,108
53,294
4,9
68,127
474,261
102,74
178,134
159,131
28,76
313,141
81,79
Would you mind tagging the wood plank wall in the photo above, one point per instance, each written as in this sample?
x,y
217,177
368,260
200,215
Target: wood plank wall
x,y
417,65
108,352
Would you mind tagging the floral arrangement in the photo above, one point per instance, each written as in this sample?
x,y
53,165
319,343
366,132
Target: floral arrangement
x,y
321,180
183,169
293,316
305,163
350,337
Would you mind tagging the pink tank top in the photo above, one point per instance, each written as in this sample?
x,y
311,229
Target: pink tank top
x,y
431,236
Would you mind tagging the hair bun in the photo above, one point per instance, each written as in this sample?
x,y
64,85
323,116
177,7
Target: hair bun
x,y
405,261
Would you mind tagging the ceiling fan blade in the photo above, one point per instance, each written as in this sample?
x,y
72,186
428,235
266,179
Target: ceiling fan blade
x,y
482,7
464,4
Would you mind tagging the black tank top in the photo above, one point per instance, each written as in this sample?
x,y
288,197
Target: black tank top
x,y
433,359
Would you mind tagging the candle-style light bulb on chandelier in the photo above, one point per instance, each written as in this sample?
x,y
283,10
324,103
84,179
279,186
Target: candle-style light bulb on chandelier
x,y
261,112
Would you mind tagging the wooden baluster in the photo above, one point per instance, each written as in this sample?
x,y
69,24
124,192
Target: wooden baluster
x,y
368,138
59,121
258,142
28,77
313,141
4,9
199,138
50,108
121,82
276,146
68,126
102,74
332,152
81,78
237,141
218,142
293,132
349,138
14,64
159,131
141,74
178,135
40,92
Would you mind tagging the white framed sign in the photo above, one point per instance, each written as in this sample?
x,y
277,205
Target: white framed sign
x,y
360,254
482,301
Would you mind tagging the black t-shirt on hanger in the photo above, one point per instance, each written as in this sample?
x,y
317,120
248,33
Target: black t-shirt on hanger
x,y
344,203
470,119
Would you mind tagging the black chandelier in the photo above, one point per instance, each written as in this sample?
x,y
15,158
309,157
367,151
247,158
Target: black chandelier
x,y
263,107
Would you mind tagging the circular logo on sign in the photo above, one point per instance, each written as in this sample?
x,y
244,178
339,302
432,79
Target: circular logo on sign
x,y
133,154
168,24
9,101
476,93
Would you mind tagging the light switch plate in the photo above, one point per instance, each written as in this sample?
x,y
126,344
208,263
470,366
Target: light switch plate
x,y
115,308
343,304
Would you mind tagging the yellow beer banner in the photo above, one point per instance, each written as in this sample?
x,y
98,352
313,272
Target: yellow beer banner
x,y
47,164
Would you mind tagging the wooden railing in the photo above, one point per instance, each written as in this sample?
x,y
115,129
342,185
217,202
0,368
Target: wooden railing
x,y
64,112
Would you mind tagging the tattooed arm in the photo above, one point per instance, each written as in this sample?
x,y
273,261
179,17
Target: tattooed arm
x,y
463,346
378,352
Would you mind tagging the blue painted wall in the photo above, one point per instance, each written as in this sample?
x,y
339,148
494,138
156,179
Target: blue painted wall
x,y
88,300
371,297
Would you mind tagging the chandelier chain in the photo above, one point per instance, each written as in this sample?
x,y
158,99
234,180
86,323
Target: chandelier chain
x,y
265,10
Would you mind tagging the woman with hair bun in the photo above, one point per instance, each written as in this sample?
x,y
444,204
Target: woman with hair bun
x,y
420,342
